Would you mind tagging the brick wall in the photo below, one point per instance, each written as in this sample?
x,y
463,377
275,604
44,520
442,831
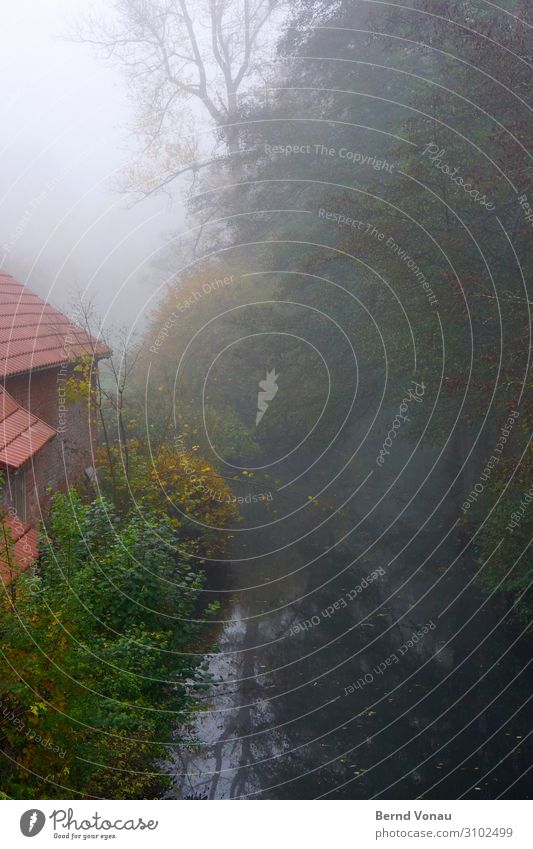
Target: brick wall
x,y
63,460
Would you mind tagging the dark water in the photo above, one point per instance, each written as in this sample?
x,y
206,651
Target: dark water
x,y
350,705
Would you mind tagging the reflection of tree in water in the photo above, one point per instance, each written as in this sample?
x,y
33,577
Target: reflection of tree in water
x,y
386,733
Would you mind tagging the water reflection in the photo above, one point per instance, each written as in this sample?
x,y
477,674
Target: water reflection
x,y
402,690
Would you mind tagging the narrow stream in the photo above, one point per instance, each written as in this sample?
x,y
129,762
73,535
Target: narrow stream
x,y
357,657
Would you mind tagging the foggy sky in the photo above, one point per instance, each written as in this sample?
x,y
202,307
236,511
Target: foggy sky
x,y
63,225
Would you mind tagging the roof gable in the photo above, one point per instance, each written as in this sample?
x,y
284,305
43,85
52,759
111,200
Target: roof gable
x,y
21,433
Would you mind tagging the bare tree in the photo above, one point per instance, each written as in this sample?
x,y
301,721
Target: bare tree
x,y
106,396
178,54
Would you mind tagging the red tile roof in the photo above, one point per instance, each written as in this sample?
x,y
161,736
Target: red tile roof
x,y
21,433
34,335
17,554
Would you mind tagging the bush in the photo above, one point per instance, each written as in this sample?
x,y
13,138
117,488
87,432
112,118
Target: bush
x,y
177,482
95,655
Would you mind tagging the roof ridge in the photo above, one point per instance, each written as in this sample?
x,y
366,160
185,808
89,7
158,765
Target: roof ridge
x,y
24,314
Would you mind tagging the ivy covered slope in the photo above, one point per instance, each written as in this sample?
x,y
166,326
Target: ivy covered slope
x,y
96,663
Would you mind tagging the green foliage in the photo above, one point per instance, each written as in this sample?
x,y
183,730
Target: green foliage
x,y
503,541
95,656
232,439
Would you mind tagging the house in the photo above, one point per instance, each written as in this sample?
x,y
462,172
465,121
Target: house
x,y
46,443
